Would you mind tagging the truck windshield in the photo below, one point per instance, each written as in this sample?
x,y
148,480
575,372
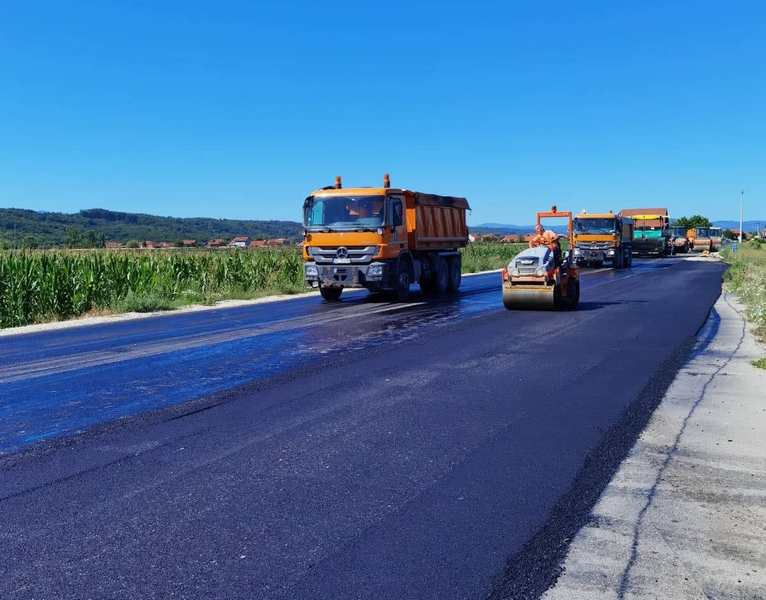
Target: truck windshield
x,y
703,232
594,226
343,212
678,231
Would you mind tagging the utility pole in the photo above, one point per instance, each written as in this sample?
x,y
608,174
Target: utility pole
x,y
741,212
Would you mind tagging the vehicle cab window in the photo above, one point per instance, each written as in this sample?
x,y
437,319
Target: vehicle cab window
x,y
397,217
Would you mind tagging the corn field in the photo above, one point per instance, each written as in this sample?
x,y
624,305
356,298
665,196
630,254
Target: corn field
x,y
486,256
45,285
38,286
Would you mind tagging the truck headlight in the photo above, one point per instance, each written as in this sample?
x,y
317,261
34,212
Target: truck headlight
x,y
375,270
577,252
311,270
540,271
610,252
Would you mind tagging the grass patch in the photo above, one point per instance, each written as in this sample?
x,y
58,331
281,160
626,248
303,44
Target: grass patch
x,y
746,278
760,363
38,286
487,256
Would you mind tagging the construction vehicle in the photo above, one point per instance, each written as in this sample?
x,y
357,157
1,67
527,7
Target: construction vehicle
x,y
679,242
540,277
603,237
651,234
699,239
383,239
716,238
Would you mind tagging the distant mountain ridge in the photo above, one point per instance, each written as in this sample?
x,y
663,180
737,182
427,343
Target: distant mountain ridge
x,y
50,228
746,225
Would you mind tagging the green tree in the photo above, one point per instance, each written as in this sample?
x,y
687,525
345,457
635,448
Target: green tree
x,y
29,241
693,221
73,238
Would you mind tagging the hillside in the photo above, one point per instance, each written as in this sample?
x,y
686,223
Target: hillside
x,y
28,227
746,225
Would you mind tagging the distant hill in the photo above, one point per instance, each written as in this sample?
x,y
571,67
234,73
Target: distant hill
x,y
19,226
746,225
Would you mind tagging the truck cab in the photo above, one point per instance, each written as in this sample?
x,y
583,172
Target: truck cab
x,y
652,231
699,239
603,238
382,239
716,238
679,240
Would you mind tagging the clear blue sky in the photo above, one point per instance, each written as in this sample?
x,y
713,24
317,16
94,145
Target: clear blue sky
x,y
238,109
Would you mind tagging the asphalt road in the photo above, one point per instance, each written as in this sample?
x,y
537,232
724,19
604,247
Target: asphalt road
x,y
436,449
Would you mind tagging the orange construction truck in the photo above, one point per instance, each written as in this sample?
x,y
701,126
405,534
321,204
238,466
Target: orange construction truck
x,y
382,239
699,239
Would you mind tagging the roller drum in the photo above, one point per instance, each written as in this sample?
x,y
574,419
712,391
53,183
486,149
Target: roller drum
x,y
531,297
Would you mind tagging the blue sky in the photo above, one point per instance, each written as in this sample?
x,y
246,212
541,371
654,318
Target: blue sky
x,y
238,109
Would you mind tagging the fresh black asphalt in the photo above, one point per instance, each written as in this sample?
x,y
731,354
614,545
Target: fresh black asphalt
x,y
445,449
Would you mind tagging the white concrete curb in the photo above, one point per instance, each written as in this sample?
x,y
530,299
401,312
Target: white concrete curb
x,y
685,516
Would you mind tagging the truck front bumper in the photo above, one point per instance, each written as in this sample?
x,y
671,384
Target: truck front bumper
x,y
591,255
648,248
373,275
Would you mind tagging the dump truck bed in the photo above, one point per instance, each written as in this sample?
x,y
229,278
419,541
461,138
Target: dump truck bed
x,y
436,222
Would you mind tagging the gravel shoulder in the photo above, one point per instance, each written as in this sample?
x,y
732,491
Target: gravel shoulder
x,y
685,515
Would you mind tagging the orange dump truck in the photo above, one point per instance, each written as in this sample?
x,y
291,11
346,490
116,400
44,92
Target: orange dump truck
x,y
382,239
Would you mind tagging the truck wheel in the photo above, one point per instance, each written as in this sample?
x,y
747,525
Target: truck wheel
x,y
617,261
403,281
455,273
441,275
426,283
331,293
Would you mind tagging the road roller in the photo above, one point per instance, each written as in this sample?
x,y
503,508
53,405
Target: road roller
x,y
542,277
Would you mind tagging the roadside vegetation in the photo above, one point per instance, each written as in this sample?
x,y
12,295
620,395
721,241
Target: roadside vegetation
x,y
38,286
746,278
487,256
48,285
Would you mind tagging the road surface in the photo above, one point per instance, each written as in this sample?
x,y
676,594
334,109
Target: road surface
x,y
433,449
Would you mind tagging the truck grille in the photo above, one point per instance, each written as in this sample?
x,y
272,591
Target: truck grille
x,y
343,254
